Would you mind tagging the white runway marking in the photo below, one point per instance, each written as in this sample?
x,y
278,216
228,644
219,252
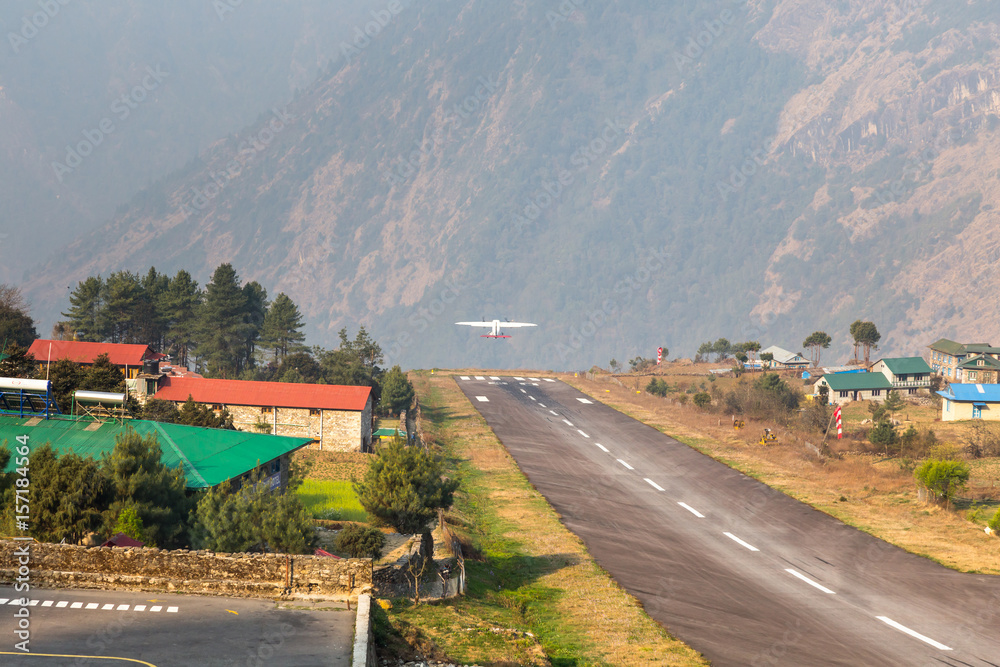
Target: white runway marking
x,y
542,404
625,464
464,377
653,484
533,398
494,377
554,412
92,605
4,600
549,380
809,581
482,399
480,377
77,605
582,433
61,604
567,422
171,610
123,607
534,379
33,603
603,448
108,607
739,541
155,608
583,400
692,510
913,633
523,391
140,607
519,379
48,603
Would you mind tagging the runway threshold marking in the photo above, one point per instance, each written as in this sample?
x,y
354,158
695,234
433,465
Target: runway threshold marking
x,y
494,377
549,380
534,379
583,400
519,379
692,510
653,484
809,581
625,464
582,433
464,377
913,633
603,448
482,399
739,541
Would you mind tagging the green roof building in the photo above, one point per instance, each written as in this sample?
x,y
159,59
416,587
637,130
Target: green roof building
x,y
907,374
847,387
208,456
947,356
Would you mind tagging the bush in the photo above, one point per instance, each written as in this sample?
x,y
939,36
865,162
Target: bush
x,y
994,523
767,397
657,387
943,478
702,399
360,541
884,435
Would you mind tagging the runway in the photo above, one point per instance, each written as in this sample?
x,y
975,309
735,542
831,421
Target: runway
x,y
739,571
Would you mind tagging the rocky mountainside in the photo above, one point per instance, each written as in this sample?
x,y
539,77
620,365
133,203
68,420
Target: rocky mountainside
x,y
626,175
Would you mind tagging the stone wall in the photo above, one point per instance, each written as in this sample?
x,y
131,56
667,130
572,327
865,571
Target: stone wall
x,y
335,430
240,575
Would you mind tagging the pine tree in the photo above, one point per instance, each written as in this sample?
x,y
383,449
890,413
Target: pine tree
x,y
816,342
283,324
122,300
254,312
86,310
222,326
179,305
68,494
103,376
65,376
19,363
397,392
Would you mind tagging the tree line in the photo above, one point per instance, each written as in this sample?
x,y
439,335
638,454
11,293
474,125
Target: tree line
x,y
864,334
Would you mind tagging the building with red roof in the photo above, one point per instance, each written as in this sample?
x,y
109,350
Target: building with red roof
x,y
128,358
336,417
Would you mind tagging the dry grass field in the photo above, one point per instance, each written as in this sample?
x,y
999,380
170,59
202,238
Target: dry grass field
x,y
874,493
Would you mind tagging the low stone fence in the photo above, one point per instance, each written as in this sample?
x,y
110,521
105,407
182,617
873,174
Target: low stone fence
x,y
240,575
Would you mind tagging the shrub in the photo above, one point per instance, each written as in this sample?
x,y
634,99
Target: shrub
x,y
657,387
360,541
767,397
994,523
702,399
884,435
943,478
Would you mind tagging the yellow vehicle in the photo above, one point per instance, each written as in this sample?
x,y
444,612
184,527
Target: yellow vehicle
x,y
768,436
738,424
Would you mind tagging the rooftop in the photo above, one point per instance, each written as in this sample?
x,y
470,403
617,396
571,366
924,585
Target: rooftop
x,y
856,381
208,456
85,353
265,394
972,393
907,365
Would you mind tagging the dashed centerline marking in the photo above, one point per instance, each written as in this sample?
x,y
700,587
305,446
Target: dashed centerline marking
x,y
533,398
482,399
913,633
653,484
603,448
554,412
542,404
692,510
739,541
567,422
625,464
583,400
582,433
809,581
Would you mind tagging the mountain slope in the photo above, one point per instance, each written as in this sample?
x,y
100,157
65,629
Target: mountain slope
x,y
627,176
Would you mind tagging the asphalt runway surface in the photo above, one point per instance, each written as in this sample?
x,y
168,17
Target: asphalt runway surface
x,y
116,629
739,571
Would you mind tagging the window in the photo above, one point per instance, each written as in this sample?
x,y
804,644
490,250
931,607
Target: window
x,y
876,392
843,394
314,412
980,362
266,411
972,376
913,391
217,406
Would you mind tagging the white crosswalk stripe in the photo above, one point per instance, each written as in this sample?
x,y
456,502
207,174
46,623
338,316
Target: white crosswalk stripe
x,y
107,606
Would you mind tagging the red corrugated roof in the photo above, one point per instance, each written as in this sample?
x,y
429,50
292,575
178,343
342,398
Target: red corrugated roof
x,y
264,394
120,354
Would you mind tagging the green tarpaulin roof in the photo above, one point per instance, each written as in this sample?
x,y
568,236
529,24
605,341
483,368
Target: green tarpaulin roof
x,y
857,381
907,365
208,456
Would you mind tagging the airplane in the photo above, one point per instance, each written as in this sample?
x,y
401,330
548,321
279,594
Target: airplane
x,y
496,327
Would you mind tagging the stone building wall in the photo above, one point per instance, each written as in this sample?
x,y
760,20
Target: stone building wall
x,y
141,569
335,430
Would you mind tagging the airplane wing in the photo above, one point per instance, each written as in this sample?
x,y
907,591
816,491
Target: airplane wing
x,y
488,325
517,324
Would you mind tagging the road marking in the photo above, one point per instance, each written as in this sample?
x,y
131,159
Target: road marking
x,y
692,510
139,607
523,391
108,607
76,605
542,404
653,484
549,380
739,541
534,379
61,604
809,581
48,603
480,377
582,433
519,379
554,412
533,398
15,601
172,610
625,464
33,603
123,607
913,633
155,608
465,377
583,400
494,377
603,448
233,612
80,658
92,605
567,422
4,600
482,399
